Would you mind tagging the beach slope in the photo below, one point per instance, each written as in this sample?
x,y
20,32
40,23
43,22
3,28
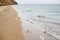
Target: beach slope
x,y
10,26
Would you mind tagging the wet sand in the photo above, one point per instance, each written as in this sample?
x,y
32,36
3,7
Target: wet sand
x,y
10,25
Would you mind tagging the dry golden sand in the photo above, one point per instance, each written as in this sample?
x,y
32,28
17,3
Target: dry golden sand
x,y
10,26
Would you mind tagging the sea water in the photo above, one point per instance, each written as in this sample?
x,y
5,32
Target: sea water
x,y
47,15
47,10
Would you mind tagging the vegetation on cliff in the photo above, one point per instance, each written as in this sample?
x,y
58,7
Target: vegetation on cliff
x,y
7,2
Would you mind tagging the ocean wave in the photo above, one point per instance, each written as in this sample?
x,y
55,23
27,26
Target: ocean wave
x,y
49,22
55,11
45,19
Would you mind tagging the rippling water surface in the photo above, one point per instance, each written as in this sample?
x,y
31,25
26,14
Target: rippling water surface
x,y
49,11
40,16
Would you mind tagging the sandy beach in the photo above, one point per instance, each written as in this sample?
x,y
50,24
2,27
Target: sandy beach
x,y
29,21
10,25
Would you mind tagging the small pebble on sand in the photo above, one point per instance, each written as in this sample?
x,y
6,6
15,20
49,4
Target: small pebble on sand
x,y
44,31
30,31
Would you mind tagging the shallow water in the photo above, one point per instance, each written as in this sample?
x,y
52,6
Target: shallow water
x,y
39,18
